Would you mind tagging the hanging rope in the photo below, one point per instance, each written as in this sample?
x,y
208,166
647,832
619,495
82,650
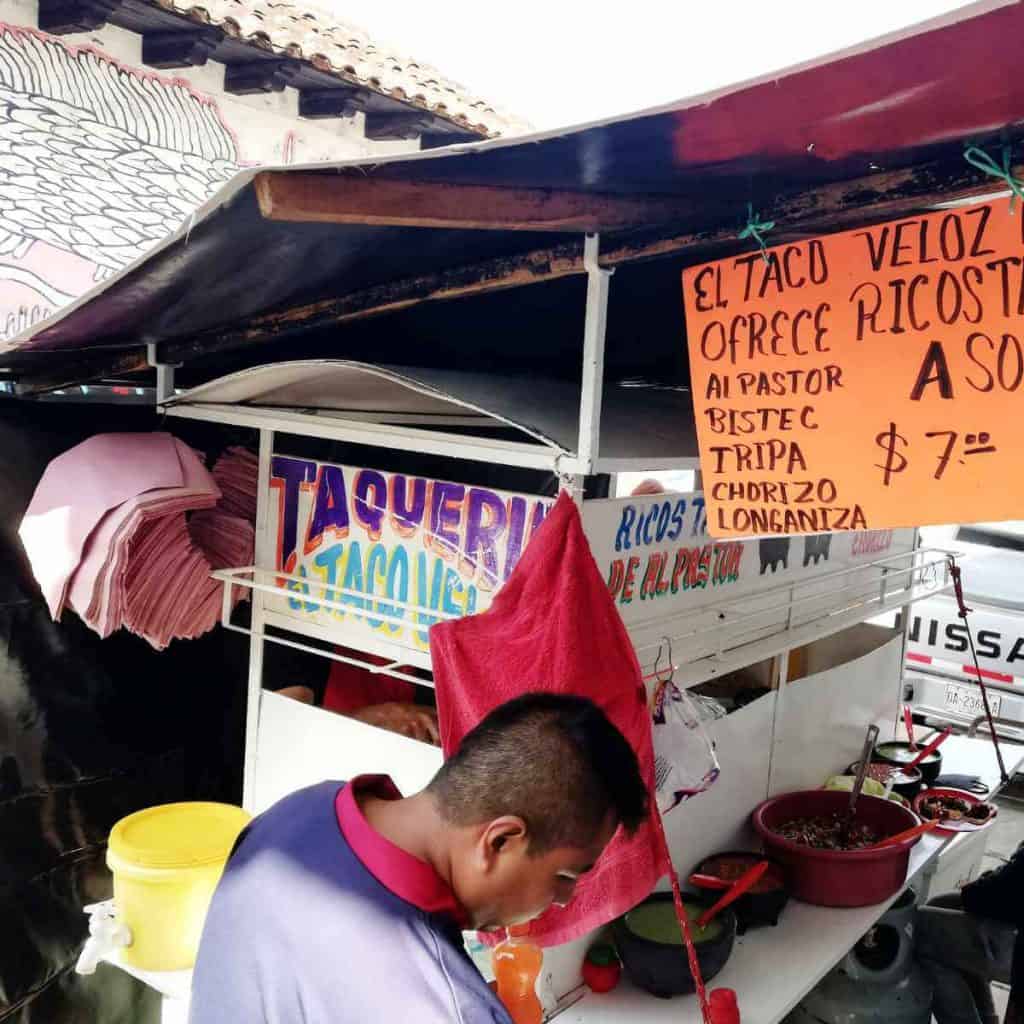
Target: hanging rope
x,y
954,571
978,158
757,229
691,949
666,862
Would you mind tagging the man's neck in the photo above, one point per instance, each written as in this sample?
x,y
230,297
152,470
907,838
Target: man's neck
x,y
413,824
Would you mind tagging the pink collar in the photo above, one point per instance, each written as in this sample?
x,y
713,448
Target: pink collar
x,y
408,877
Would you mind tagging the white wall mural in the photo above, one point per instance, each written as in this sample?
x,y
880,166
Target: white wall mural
x,y
98,162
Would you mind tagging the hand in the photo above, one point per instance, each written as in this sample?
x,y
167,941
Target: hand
x,y
407,719
303,694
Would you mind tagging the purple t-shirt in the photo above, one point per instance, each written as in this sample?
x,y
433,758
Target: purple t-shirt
x,y
301,932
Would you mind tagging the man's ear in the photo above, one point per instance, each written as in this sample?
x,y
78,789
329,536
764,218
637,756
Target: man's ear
x,y
502,836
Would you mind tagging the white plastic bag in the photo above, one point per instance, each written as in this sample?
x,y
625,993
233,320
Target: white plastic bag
x,y
684,756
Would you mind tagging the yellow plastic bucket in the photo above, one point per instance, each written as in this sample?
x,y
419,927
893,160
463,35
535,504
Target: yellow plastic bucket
x,y
166,862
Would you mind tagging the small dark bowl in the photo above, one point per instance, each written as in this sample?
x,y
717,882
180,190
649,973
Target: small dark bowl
x,y
753,909
907,788
663,969
899,753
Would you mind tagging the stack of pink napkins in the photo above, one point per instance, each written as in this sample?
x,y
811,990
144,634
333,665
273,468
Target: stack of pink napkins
x,y
237,473
107,535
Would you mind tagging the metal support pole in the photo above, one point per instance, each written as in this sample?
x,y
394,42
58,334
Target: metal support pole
x,y
164,374
264,559
592,385
782,675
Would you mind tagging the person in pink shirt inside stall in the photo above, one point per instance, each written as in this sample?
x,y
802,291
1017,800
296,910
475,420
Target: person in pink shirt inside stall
x,y
648,486
372,698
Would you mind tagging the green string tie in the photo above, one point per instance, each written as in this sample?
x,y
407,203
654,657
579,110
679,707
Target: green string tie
x,y
977,157
756,229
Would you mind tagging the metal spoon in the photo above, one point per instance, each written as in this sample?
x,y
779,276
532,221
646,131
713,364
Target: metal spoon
x,y
862,770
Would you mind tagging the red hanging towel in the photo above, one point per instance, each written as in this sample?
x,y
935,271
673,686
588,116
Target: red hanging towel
x,y
553,628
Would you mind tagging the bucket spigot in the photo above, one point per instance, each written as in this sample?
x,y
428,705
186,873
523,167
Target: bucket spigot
x,y
106,935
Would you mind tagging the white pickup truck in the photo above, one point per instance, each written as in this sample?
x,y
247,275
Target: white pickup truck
x,y
940,673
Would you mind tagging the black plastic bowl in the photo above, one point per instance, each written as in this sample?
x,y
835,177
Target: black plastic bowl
x,y
663,969
753,909
910,783
898,752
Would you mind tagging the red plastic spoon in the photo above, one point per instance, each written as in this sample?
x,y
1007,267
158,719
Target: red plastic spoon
x,y
932,747
908,721
743,884
709,882
910,833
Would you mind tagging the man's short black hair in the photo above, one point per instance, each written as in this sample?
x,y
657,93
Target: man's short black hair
x,y
555,761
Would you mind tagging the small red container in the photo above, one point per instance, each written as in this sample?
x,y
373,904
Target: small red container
x,y
838,878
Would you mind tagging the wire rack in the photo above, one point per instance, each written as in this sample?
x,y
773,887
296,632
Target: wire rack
x,y
720,634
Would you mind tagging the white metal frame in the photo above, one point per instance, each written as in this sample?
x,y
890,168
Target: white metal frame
x,y
926,573
592,384
416,433
377,435
263,555
249,577
732,627
739,635
412,438
164,374
404,436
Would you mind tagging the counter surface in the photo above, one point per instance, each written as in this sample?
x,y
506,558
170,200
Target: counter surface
x,y
772,969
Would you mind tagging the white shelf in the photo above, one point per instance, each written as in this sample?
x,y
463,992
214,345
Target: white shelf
x,y
772,969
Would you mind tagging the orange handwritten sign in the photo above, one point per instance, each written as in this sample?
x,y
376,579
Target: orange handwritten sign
x,y
863,380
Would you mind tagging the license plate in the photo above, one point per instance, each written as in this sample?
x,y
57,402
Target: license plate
x,y
966,701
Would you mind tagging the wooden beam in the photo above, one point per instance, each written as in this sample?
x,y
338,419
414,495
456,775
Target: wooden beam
x,y
828,208
64,17
321,103
403,124
74,368
190,48
259,76
435,140
333,199
821,210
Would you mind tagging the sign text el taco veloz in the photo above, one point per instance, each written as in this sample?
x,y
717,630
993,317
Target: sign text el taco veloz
x,y
863,380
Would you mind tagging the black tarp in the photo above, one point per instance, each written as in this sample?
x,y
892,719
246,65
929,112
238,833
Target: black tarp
x,y
90,730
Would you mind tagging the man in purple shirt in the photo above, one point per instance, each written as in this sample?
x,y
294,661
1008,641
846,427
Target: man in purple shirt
x,y
343,904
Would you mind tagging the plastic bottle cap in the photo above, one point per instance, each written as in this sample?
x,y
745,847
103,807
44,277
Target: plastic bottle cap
x,y
519,930
724,1008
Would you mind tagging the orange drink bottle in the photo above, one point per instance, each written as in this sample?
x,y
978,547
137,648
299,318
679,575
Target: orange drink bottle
x,y
517,964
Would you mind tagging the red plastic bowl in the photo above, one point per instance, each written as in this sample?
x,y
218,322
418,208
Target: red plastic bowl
x,y
838,878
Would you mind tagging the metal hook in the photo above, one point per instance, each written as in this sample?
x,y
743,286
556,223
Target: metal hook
x,y
665,640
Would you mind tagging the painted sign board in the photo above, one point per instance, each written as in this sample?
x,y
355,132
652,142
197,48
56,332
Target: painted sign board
x,y
863,380
396,550
666,573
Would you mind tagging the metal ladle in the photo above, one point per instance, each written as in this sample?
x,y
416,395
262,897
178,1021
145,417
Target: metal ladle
x,y
862,770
